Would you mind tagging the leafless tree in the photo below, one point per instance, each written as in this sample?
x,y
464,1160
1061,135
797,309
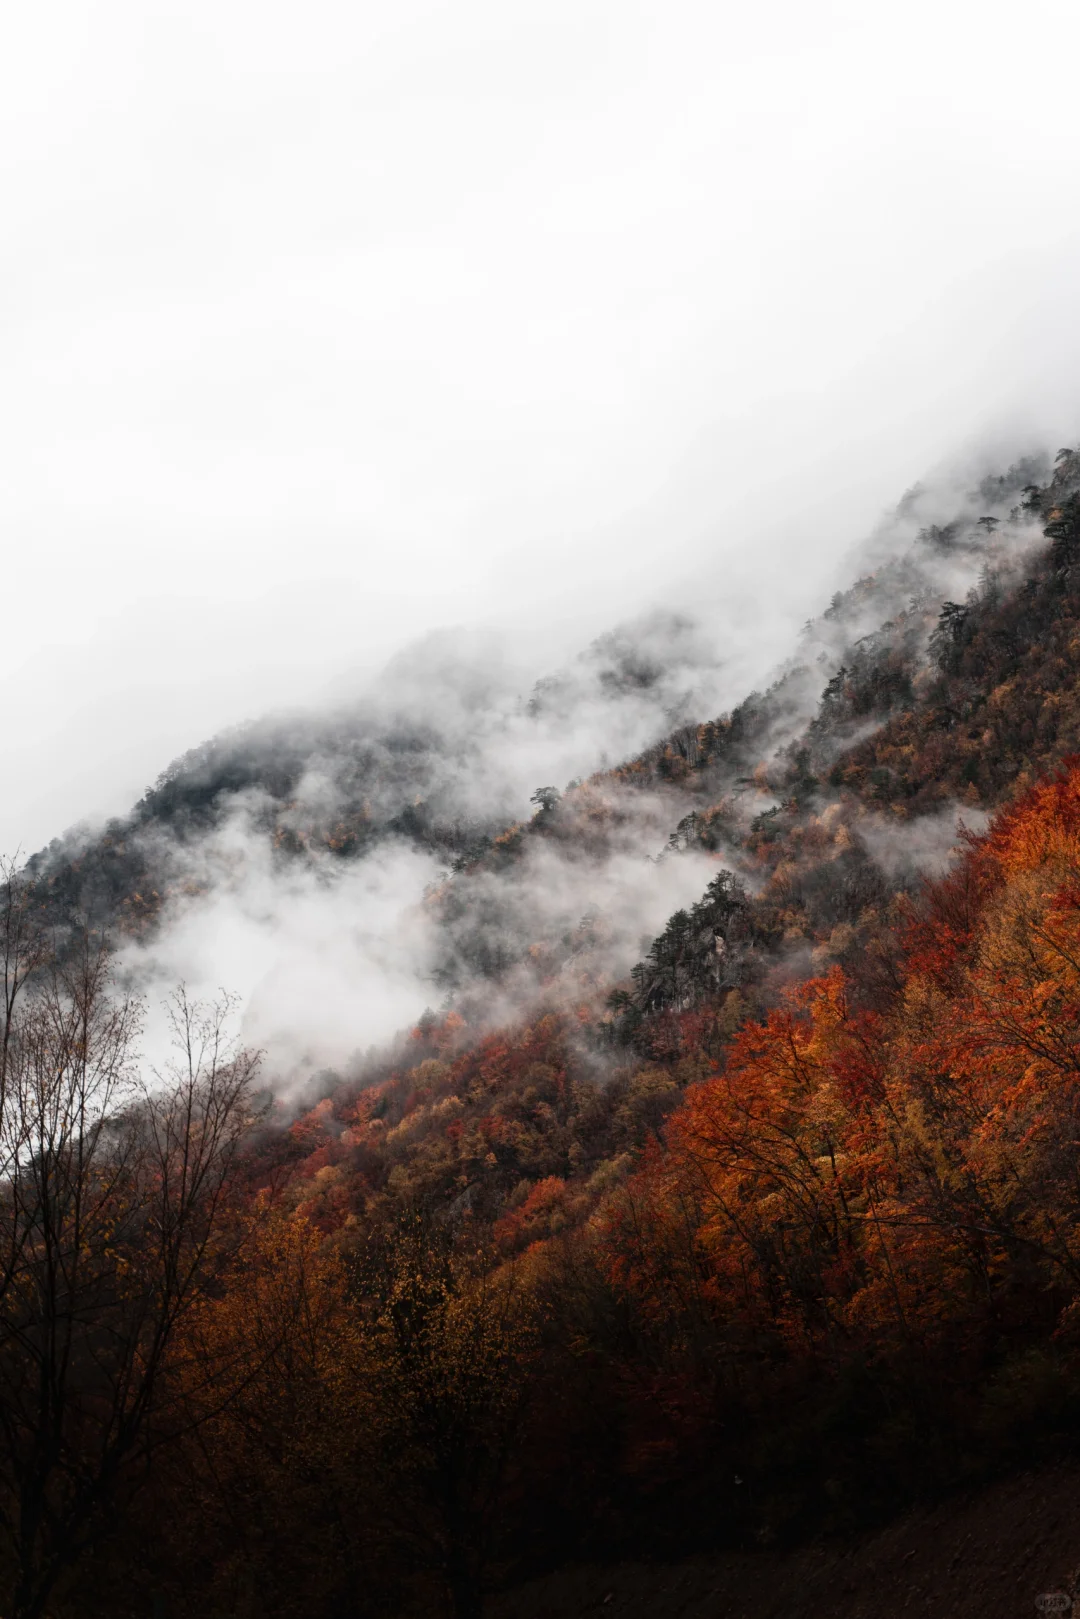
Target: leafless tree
x,y
116,1213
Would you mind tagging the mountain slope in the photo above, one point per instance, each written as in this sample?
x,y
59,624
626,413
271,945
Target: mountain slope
x,y
444,752
753,1226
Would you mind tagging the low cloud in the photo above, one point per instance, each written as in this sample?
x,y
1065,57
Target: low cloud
x,y
343,872
925,847
331,955
325,956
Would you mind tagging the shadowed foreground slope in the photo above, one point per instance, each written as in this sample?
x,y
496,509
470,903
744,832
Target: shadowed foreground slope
x,y
983,1556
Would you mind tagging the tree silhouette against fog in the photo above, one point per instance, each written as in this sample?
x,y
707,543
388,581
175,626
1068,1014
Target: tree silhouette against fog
x,y
114,1204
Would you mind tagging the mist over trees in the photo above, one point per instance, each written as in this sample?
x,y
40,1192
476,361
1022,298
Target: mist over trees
x,y
722,1197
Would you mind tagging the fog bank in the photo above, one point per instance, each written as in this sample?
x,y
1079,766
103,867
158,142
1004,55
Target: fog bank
x,y
323,329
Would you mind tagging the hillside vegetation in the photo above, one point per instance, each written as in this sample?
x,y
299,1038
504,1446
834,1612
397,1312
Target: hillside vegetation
x,y
762,1237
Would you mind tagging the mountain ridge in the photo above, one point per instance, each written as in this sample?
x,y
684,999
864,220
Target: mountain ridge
x,y
345,786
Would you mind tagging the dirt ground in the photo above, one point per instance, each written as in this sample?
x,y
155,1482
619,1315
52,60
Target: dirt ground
x,y
984,1556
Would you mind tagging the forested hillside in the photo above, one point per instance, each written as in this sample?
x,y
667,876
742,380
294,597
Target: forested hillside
x,y
760,1227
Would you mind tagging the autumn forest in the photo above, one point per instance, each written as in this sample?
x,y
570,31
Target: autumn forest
x,y
755,1226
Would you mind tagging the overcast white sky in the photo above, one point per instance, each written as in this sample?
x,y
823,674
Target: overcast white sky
x,y
326,323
